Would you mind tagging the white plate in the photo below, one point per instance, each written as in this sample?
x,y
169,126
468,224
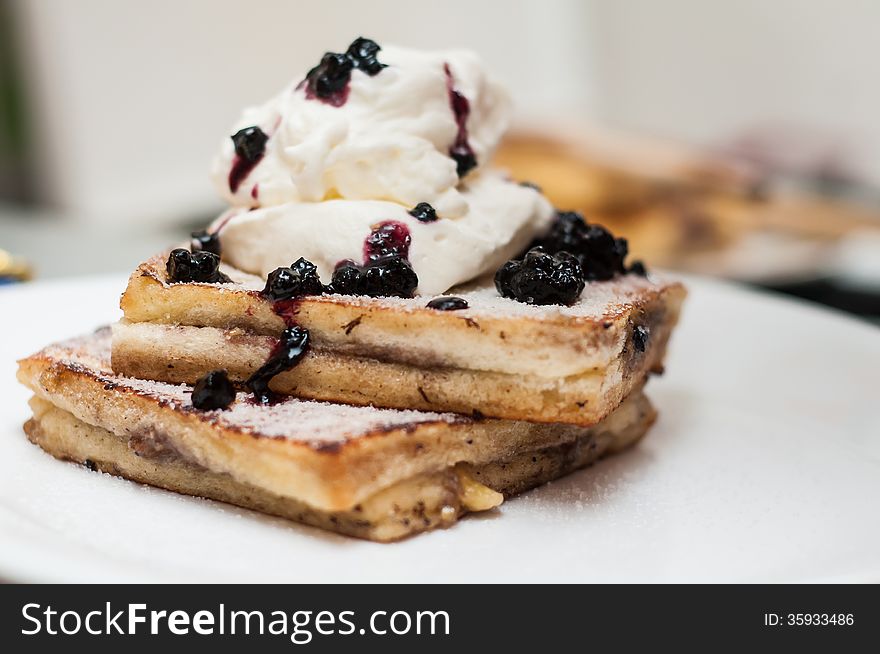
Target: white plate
x,y
764,466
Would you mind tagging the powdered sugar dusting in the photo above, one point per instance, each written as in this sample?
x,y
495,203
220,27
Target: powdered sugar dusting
x,y
317,423
90,352
598,300
320,421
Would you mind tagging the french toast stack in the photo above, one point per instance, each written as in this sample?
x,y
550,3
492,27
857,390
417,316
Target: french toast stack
x,y
444,338
476,405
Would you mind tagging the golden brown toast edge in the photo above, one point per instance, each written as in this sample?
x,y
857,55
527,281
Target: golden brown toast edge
x,y
181,354
332,478
370,327
404,509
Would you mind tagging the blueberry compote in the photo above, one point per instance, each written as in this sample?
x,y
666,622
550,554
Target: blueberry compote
x,y
288,351
600,254
386,271
363,54
213,391
201,266
389,238
329,80
541,278
460,150
424,213
391,276
571,249
300,278
285,288
345,278
202,241
250,146
448,303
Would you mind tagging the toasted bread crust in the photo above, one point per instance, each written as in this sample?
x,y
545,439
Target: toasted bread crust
x,y
331,474
406,508
181,354
498,358
494,334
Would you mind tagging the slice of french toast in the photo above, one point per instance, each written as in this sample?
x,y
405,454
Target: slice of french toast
x,y
380,474
497,358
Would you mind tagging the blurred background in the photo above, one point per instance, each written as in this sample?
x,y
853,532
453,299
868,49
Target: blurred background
x,y
737,139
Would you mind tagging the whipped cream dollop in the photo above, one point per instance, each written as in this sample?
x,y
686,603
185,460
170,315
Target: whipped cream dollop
x,y
420,128
500,222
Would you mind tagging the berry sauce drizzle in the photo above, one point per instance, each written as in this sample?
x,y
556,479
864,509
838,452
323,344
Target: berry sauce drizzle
x,y
330,81
241,168
285,355
460,150
287,310
389,238
250,147
333,98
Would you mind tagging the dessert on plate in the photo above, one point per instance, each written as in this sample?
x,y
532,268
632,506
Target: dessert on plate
x,y
380,474
381,333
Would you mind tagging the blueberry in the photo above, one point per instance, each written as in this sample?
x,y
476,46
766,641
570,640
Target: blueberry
x,y
330,76
213,391
541,278
329,79
206,267
203,241
423,212
250,143
301,278
184,266
179,265
504,277
362,53
640,338
287,353
345,278
600,254
638,268
388,277
310,282
282,284
448,303
464,157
